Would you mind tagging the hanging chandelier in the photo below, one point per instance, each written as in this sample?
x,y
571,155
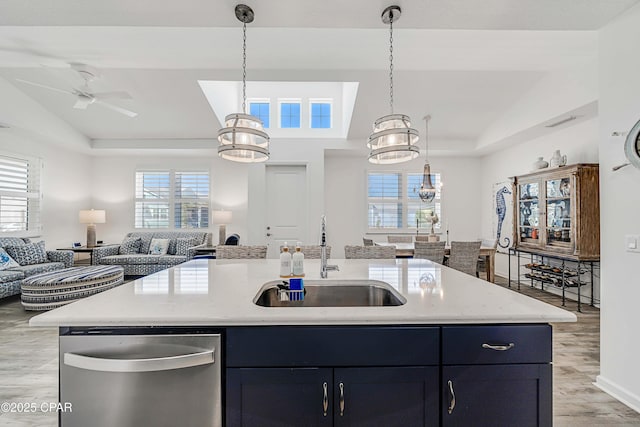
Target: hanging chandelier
x,y
393,140
427,190
243,138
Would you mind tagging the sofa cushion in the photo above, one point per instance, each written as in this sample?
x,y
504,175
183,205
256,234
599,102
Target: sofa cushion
x,y
13,241
130,245
146,237
10,276
29,270
183,244
134,259
6,261
28,254
171,259
159,246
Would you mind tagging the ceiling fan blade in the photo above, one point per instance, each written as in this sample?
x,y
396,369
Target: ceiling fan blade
x,y
45,86
82,103
111,95
116,108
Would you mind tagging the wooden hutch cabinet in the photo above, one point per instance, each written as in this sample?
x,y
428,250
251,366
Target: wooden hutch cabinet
x,y
557,211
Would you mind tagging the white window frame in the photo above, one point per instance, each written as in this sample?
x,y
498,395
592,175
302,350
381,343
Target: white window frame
x,y
289,101
405,201
320,101
172,200
261,101
33,195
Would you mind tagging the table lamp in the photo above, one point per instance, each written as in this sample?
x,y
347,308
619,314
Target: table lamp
x,y
222,218
91,218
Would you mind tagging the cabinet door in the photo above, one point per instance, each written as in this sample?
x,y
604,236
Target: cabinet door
x,y
559,231
528,213
279,397
497,395
386,397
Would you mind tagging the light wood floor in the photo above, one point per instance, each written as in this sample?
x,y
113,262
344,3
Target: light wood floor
x,y
29,368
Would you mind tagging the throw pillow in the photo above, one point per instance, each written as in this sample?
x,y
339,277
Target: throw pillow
x,y
29,254
130,245
159,246
183,244
6,261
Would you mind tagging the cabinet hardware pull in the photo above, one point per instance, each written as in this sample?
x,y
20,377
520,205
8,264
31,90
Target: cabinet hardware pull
x,y
452,402
499,347
341,399
325,399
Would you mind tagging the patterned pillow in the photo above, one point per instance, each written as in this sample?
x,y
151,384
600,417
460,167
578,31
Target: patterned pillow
x,y
183,244
130,245
29,254
159,246
6,261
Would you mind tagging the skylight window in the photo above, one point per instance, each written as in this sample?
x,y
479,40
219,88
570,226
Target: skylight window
x,y
261,111
320,115
290,115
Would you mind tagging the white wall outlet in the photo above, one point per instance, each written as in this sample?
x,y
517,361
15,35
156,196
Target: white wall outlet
x,y
632,243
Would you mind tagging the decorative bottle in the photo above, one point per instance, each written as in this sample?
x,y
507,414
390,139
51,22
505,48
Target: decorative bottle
x,y
285,262
297,261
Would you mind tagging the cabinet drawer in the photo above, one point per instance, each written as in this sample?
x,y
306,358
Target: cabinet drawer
x,y
275,346
496,344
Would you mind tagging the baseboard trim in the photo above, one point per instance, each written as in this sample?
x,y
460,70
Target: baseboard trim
x,y
619,393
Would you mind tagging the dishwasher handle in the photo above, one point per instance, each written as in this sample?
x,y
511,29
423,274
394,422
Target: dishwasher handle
x,y
139,365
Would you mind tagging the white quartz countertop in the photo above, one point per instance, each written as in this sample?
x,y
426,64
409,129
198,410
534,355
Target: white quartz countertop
x,y
221,292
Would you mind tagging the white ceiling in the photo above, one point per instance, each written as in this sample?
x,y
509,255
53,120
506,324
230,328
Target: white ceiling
x,y
462,61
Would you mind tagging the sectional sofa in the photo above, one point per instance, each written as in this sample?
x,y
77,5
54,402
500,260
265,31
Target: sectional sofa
x,y
137,257
31,259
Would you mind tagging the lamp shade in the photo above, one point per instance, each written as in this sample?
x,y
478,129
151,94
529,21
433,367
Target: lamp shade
x,y
93,216
222,217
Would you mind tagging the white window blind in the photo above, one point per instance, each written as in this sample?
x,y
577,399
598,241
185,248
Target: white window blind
x,y
393,202
166,198
20,196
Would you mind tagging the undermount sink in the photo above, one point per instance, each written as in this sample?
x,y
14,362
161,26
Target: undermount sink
x,y
333,293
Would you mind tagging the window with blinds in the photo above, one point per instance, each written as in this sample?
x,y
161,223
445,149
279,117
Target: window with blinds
x,y
393,202
172,198
19,196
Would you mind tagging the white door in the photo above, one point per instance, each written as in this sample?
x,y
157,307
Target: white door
x,y
286,206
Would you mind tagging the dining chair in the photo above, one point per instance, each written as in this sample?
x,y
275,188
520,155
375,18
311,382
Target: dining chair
x,y
369,252
482,261
399,239
309,251
463,256
422,238
241,252
433,251
367,242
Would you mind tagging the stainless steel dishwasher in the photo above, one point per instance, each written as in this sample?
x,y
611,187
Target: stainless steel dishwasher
x,y
141,380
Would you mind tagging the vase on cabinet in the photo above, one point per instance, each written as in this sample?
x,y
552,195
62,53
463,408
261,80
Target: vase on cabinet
x,y
540,164
557,159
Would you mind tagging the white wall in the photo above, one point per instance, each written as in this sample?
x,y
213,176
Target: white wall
x,y
346,197
620,203
66,180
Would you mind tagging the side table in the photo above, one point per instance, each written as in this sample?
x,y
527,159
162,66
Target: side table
x,y
81,250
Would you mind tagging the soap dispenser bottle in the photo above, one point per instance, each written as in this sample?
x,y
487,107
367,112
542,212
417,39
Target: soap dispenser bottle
x,y
298,261
285,262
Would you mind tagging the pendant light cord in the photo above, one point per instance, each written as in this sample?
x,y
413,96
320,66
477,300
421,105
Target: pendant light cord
x,y
244,67
426,137
391,60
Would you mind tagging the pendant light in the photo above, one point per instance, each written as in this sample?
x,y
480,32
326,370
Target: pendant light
x,y
427,190
243,138
393,140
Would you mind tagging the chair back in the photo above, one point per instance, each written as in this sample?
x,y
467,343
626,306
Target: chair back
x,y
433,251
309,251
422,238
367,242
234,239
400,239
369,252
464,256
489,243
241,252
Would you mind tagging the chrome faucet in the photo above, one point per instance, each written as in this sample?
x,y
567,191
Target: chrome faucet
x,y
323,250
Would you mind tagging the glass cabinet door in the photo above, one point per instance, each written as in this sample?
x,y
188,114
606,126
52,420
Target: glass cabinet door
x,y
558,206
529,212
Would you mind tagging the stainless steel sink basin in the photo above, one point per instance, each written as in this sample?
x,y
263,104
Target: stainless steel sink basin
x,y
333,293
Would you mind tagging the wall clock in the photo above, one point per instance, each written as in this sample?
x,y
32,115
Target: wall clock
x,y
632,145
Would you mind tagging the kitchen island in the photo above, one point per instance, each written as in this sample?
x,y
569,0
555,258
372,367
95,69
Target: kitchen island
x,y
459,351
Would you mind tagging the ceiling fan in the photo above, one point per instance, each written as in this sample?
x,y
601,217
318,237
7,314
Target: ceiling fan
x,y
84,95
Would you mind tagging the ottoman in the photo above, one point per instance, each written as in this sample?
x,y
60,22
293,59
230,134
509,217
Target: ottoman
x,y
50,290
